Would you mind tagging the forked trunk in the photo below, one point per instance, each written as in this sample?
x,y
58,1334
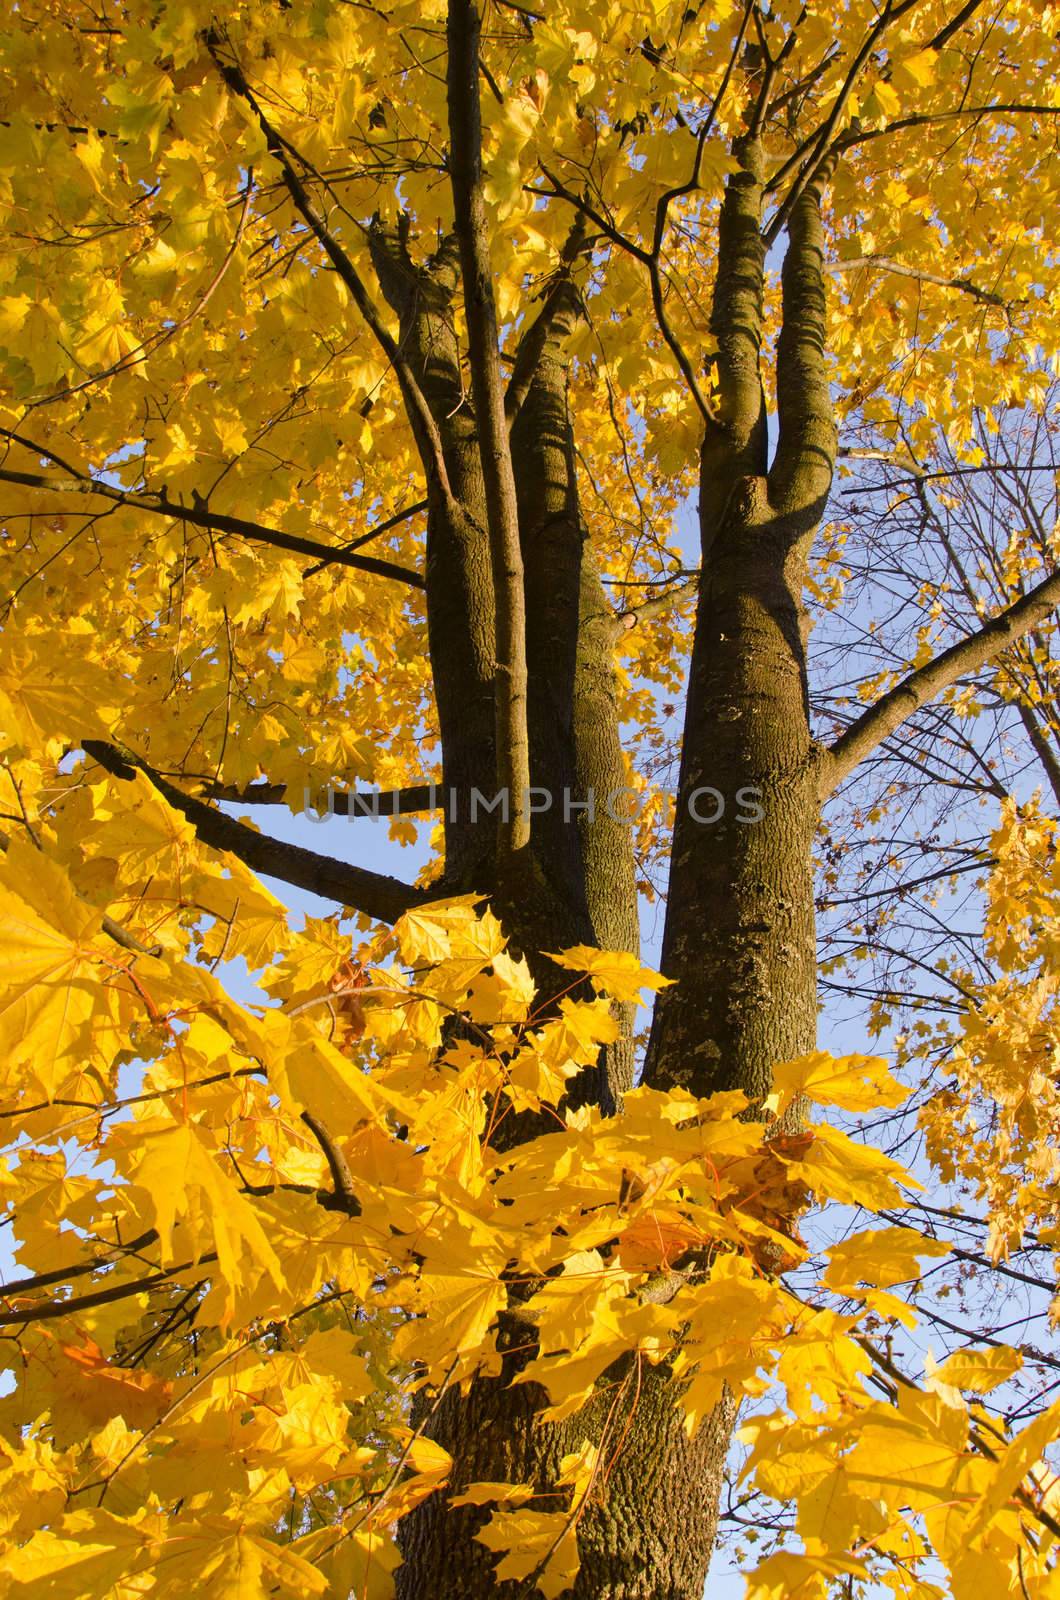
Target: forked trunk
x,y
740,926
740,932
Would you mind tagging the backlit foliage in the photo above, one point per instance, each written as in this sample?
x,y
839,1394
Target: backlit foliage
x,y
225,1306
249,1234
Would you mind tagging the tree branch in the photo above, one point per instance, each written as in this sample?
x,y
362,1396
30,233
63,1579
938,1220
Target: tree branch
x,y
151,345
373,893
801,474
927,119
968,655
405,515
45,1280
197,515
555,319
1041,747
735,442
100,1297
657,606
344,1197
113,930
415,800
423,424
820,141
885,264
648,259
955,24
662,213
559,191
652,258
469,204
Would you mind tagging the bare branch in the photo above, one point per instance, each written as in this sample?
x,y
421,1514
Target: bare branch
x,y
885,264
416,800
404,515
922,686
657,606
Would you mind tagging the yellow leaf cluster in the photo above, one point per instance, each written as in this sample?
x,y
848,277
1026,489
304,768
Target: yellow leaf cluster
x,y
291,1226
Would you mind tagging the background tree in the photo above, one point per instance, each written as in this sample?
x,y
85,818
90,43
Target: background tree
x,y
496,295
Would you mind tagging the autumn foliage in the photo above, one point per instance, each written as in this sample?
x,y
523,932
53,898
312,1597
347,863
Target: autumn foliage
x,y
306,311
272,1452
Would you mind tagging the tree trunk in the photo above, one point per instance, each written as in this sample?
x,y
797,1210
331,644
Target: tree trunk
x,y
460,608
649,1535
739,932
740,923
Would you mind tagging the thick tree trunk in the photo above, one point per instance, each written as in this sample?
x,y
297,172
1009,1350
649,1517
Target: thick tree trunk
x,y
740,929
740,934
648,1536
740,923
583,890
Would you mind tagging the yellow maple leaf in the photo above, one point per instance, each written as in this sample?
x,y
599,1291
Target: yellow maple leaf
x,y
880,1256
1025,1452
539,1543
185,1192
789,1576
618,973
839,1168
978,1371
503,995
502,1494
51,969
854,1083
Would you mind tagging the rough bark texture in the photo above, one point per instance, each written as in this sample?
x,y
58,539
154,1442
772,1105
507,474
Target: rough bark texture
x,y
648,1538
575,746
740,929
740,926
585,890
502,514
460,609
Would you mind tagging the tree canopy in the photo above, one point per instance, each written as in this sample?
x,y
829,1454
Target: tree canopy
x,y
563,403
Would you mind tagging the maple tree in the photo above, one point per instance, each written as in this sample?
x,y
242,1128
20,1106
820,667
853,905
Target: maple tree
x,y
356,368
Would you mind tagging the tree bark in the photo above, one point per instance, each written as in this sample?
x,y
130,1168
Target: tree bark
x,y
459,578
502,516
649,1537
740,925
